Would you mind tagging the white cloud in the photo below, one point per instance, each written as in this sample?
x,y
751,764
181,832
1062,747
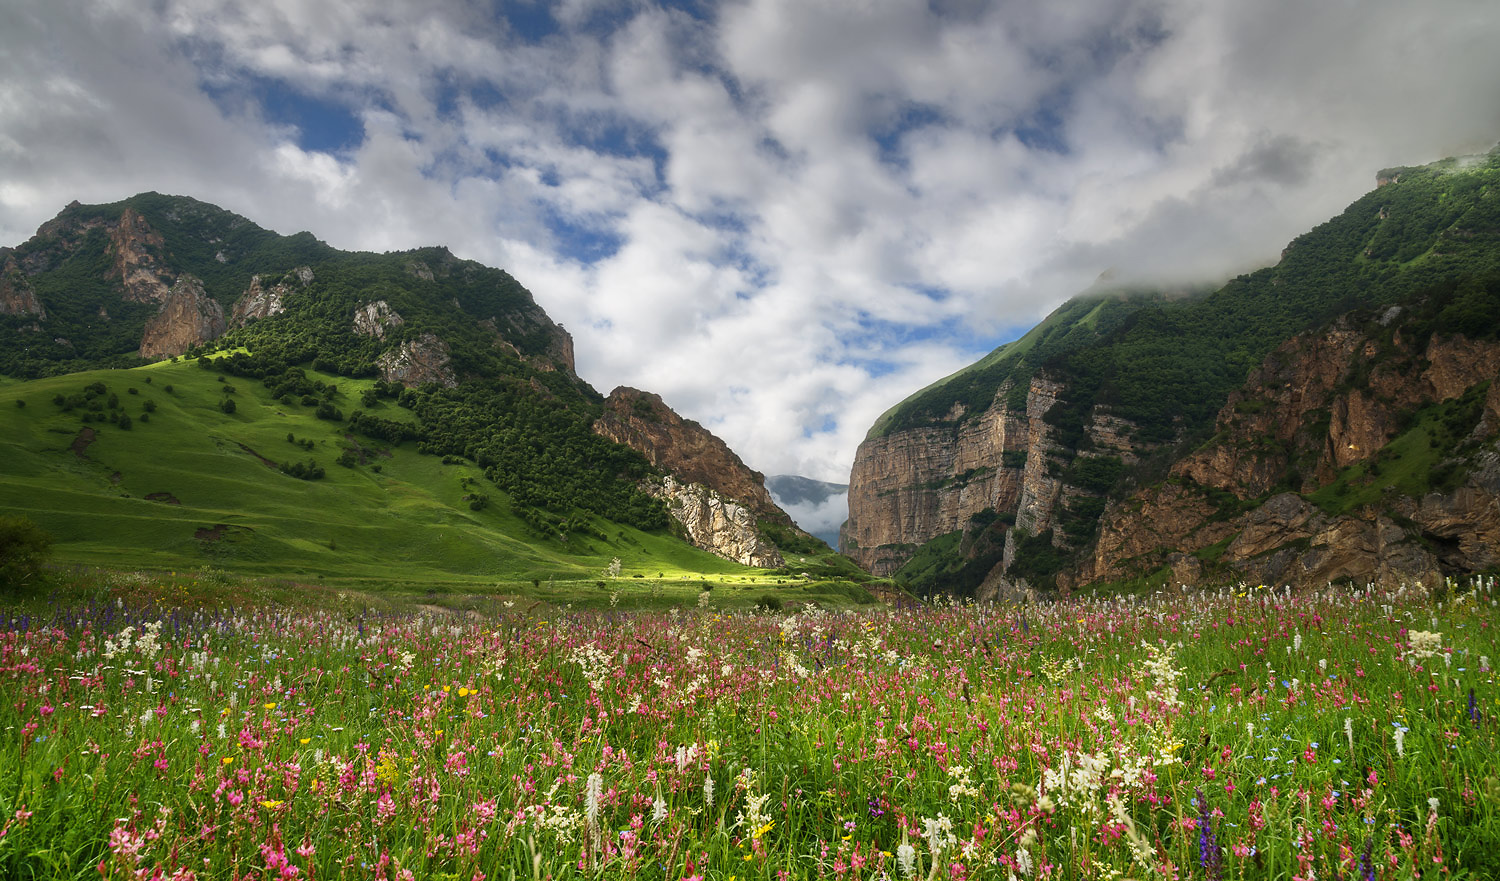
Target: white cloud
x,y
799,212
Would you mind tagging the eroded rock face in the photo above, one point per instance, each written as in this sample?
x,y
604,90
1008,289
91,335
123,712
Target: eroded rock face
x,y
1330,400
374,319
16,294
187,318
710,491
260,301
415,362
721,526
642,421
912,486
135,248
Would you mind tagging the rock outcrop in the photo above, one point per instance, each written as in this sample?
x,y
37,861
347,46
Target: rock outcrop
x,y
187,318
16,294
259,301
418,361
721,526
716,497
642,421
374,319
135,249
1320,404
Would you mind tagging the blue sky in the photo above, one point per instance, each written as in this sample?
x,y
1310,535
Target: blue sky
x,y
782,216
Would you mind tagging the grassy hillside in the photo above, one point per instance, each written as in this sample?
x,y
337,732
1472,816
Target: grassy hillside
x,y
187,485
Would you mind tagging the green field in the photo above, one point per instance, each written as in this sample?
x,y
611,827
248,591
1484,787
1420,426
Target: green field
x,y
189,486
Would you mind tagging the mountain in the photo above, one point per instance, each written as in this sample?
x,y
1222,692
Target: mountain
x,y
423,351
1027,469
817,506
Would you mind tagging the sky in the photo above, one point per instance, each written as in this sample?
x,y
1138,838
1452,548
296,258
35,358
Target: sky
x,y
783,216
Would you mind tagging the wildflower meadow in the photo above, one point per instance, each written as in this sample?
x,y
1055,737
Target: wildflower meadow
x,y
1225,734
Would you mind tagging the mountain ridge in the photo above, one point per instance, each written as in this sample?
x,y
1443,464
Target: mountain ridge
x,y
1028,447
481,371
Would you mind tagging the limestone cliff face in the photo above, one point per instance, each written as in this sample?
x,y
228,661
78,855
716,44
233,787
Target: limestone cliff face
x,y
136,249
721,526
187,318
710,491
911,486
415,362
259,301
1335,398
374,319
642,421
16,294
1319,404
1040,487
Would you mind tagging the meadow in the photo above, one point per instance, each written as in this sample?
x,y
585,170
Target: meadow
x,y
1242,732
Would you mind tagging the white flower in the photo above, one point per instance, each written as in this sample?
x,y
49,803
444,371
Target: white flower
x,y
658,810
708,790
906,859
1023,861
592,792
1425,643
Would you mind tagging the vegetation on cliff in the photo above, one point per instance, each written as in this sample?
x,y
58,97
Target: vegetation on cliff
x,y
1427,240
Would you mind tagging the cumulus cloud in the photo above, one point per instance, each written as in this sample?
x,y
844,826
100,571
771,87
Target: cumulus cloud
x,y
782,216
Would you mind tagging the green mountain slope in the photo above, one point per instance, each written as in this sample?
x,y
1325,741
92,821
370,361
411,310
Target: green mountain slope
x,y
188,485
404,415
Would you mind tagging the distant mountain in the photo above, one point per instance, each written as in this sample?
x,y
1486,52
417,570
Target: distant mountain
x,y
449,357
817,506
1055,461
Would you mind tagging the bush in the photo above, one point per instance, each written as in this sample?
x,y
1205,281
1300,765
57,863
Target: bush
x,y
24,547
770,602
227,405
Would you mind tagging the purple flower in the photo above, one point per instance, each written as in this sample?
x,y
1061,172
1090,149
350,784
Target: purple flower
x,y
1209,855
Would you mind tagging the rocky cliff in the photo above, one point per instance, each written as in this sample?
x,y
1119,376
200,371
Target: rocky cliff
x,y
719,500
260,301
188,317
1326,417
721,526
1361,452
912,486
17,297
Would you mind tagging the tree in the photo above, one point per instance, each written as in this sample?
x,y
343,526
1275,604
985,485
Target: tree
x,y
24,546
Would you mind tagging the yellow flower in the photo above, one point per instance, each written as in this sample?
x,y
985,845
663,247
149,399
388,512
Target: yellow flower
x,y
438,732
269,804
445,689
270,706
224,712
463,692
304,741
227,759
767,828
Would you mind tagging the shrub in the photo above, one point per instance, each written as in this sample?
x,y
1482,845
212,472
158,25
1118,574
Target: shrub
x,y
227,405
24,547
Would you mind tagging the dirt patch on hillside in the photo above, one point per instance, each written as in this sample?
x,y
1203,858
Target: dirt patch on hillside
x,y
162,497
116,478
85,437
211,533
363,452
263,460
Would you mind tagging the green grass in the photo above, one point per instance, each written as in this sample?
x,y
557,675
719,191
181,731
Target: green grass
x,y
407,523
